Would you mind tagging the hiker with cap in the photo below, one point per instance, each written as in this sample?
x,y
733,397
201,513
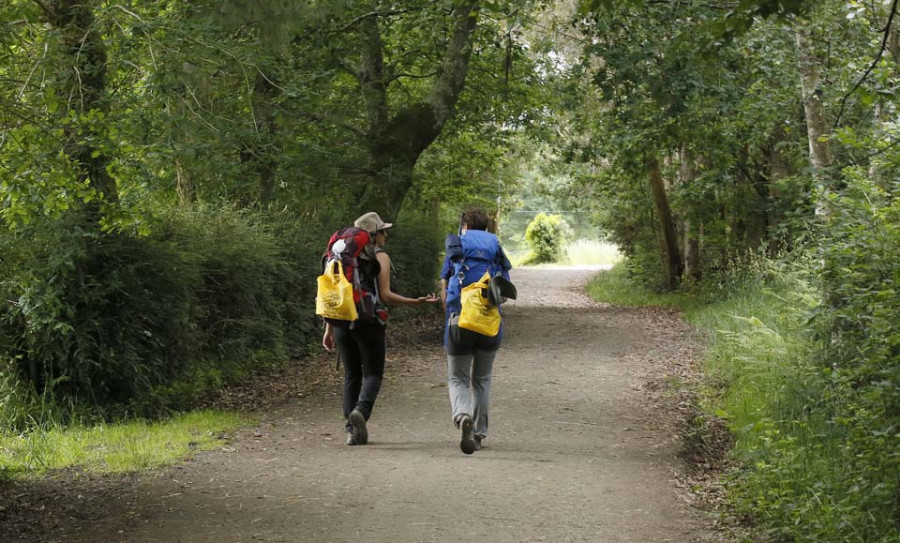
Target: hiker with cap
x,y
361,343
470,355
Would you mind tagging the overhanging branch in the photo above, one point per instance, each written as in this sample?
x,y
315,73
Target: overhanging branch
x,y
45,7
376,13
887,34
321,117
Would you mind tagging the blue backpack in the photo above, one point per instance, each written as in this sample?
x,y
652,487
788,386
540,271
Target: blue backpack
x,y
472,254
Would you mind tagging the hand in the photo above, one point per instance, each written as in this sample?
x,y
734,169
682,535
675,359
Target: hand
x,y
430,299
328,341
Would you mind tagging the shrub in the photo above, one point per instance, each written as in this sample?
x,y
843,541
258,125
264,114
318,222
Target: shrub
x,y
547,236
816,437
858,325
413,244
125,323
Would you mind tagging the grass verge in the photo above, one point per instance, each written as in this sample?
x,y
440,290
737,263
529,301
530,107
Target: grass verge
x,y
758,345
792,475
115,448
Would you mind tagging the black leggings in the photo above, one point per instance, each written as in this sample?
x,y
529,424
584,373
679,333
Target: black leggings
x,y
362,352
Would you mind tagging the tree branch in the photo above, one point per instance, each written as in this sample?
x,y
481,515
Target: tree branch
x,y
371,76
686,3
46,8
883,149
321,117
887,33
455,64
409,76
375,13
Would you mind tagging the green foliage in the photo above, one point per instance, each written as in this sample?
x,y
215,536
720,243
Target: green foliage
x,y
861,341
815,444
413,245
719,111
209,117
547,236
141,324
615,287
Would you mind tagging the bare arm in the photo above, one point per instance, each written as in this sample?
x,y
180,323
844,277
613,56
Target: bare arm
x,y
328,338
384,286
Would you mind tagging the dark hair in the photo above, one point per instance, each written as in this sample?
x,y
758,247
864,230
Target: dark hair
x,y
475,219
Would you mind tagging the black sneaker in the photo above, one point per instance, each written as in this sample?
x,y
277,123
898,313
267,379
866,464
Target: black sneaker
x,y
359,433
351,439
467,441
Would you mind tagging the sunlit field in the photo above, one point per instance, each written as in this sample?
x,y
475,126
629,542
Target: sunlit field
x,y
580,253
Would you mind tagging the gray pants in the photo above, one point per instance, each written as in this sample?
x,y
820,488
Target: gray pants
x,y
475,400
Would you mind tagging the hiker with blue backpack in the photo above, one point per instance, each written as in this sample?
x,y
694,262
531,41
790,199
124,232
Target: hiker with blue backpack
x,y
353,292
475,273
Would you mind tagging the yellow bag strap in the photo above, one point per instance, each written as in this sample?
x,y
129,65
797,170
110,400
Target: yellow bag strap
x,y
329,267
482,283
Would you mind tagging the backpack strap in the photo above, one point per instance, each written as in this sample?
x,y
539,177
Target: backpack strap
x,y
374,256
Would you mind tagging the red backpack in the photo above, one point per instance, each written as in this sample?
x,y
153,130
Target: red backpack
x,y
346,245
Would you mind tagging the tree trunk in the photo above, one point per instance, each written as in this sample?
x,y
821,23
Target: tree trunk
x,y
265,147
87,89
396,143
691,241
778,167
184,187
752,212
672,256
810,65
390,179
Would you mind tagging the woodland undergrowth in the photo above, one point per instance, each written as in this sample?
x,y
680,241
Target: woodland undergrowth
x,y
798,366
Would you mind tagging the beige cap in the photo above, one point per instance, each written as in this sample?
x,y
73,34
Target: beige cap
x,y
371,222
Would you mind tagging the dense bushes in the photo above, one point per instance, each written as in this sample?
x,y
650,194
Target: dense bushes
x,y
861,341
118,323
822,454
813,409
547,236
140,323
413,244
819,443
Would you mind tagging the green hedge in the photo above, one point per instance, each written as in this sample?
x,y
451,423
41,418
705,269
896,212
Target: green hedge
x,y
119,324
140,324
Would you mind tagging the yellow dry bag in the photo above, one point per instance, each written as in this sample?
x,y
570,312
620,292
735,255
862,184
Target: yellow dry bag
x,y
334,298
478,314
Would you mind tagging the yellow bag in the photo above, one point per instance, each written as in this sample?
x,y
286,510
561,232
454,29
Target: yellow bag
x,y
334,298
477,314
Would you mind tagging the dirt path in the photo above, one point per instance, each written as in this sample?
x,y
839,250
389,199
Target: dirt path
x,y
579,449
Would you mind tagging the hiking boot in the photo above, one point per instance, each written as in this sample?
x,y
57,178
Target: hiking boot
x,y
359,432
351,439
478,443
467,441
